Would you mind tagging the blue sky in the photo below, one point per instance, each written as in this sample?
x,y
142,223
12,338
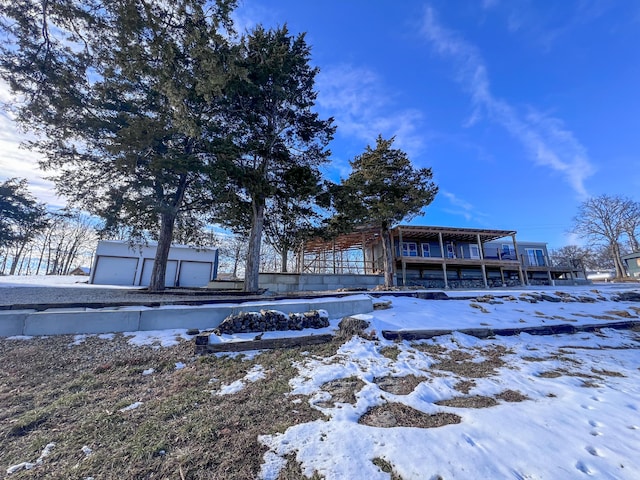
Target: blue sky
x,y
523,109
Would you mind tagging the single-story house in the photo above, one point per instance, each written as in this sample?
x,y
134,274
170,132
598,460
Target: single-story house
x,y
632,262
120,263
86,271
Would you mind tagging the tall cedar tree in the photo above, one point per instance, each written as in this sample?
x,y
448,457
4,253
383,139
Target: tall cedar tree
x,y
382,190
277,135
124,95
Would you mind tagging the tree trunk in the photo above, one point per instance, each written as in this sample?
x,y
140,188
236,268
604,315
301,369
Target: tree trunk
x,y
387,256
633,241
252,268
620,272
158,273
284,259
16,258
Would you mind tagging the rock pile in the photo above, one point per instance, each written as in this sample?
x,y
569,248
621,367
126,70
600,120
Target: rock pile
x,y
272,320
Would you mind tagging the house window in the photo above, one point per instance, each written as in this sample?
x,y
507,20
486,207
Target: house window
x,y
535,257
507,249
425,250
409,249
451,250
474,251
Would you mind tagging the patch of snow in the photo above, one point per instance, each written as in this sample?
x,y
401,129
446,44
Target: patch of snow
x,y
256,373
563,425
86,450
180,365
148,371
162,338
253,375
46,451
133,406
231,388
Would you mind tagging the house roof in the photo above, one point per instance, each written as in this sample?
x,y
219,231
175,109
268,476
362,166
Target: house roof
x,y
369,235
362,236
451,233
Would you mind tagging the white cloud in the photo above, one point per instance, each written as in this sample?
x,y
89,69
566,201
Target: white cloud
x,y
363,108
21,163
462,208
546,139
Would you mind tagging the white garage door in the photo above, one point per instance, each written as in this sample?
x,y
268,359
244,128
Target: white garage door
x,y
115,271
170,273
194,274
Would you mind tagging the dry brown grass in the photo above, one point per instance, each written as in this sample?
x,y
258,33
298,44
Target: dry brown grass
x,y
71,395
386,467
342,390
462,362
392,415
399,385
473,401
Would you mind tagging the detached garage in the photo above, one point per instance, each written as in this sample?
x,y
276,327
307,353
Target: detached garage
x,y
119,263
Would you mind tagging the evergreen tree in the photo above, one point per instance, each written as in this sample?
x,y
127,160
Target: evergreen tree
x,y
125,96
276,133
21,218
382,190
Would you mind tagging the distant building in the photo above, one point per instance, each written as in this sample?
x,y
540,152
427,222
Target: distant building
x,y
119,263
80,271
632,262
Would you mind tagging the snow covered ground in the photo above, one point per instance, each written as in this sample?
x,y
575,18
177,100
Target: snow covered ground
x,y
548,407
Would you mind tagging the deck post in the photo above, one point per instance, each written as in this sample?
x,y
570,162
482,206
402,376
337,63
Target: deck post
x,y
444,263
402,262
333,255
364,252
520,273
482,266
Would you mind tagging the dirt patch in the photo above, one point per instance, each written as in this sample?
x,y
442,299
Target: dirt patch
x,y
399,385
461,363
430,348
474,401
342,390
293,471
390,352
464,386
386,467
607,373
512,396
392,415
536,359
621,313
552,373
479,307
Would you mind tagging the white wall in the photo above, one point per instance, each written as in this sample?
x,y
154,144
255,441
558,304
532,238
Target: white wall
x,y
119,263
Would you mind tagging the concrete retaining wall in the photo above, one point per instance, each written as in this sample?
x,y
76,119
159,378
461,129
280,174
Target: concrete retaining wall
x,y
58,321
310,282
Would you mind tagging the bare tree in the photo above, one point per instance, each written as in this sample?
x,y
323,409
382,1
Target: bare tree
x,y
631,226
605,220
574,257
